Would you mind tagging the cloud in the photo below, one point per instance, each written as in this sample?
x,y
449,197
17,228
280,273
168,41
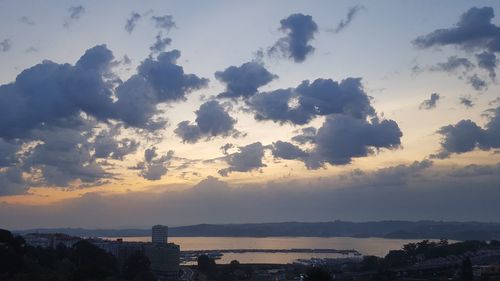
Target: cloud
x,y
488,61
300,31
466,136
244,80
321,97
286,150
160,44
62,123
351,14
453,64
26,20
74,14
211,120
249,158
390,193
431,102
477,83
165,22
177,84
107,146
154,167
467,102
5,45
132,22
307,135
342,137
474,30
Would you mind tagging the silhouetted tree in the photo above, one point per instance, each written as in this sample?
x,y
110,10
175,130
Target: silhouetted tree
x,y
317,274
206,265
137,267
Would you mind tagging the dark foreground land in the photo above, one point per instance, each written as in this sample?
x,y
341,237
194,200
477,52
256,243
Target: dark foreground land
x,y
383,229
425,260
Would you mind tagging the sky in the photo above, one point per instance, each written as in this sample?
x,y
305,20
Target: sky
x,y
183,112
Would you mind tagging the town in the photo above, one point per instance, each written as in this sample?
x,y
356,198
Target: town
x,y
58,256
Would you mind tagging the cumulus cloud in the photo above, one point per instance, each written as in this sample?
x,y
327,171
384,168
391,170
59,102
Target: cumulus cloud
x,y
154,167
300,30
473,30
61,122
286,150
132,21
5,45
249,158
244,80
175,87
212,120
321,97
466,136
431,102
351,14
342,137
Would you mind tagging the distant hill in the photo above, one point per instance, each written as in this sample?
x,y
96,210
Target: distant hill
x,y
383,229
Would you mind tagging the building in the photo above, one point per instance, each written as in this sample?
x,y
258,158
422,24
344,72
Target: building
x,y
159,234
52,240
164,259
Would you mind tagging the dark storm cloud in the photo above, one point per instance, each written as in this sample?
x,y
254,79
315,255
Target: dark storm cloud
x,y
467,102
453,64
5,45
249,158
474,30
351,14
164,23
211,120
154,166
321,97
300,31
244,80
431,102
477,83
466,136
160,44
488,61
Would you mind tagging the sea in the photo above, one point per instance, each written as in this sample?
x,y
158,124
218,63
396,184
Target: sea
x,y
365,246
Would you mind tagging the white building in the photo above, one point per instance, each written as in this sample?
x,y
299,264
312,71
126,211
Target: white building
x,y
159,234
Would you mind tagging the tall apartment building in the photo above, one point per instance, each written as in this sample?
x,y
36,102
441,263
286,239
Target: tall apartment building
x,y
159,234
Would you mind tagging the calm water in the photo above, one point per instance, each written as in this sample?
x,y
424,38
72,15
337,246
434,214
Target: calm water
x,y
366,246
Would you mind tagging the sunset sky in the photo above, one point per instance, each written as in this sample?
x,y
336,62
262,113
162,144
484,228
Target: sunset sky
x,y
131,113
